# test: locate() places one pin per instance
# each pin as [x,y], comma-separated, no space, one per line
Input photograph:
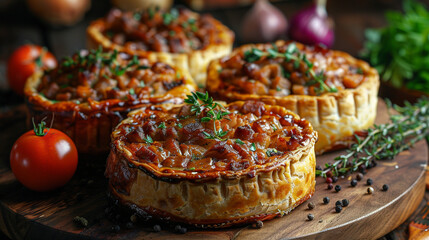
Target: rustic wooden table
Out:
[18,26]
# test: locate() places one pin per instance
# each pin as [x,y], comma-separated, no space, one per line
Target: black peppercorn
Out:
[359,176]
[345,202]
[337,188]
[177,228]
[326,200]
[183,230]
[353,183]
[311,205]
[157,228]
[338,208]
[385,187]
[334,179]
[330,186]
[258,224]
[116,228]
[369,181]
[338,203]
[310,217]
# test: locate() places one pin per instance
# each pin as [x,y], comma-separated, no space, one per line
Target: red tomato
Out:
[43,163]
[24,62]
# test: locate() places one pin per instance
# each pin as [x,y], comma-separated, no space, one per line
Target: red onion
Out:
[263,23]
[312,25]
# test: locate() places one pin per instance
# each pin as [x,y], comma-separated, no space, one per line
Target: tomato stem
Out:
[39,130]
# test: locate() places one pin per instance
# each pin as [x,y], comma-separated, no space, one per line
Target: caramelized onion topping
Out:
[96,75]
[268,72]
[255,136]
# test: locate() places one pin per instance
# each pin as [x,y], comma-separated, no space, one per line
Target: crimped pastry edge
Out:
[89,125]
[195,62]
[335,116]
[221,202]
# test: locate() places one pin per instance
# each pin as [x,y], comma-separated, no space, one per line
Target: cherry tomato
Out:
[43,159]
[24,62]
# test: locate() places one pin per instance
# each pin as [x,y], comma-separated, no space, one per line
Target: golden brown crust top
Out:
[107,80]
[177,143]
[174,31]
[287,68]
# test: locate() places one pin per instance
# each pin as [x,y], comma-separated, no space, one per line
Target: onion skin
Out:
[263,23]
[59,12]
[312,26]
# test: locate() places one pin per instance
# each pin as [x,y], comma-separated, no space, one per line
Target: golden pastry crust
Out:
[232,187]
[218,39]
[87,102]
[336,116]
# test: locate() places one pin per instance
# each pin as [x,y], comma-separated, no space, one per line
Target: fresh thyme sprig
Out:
[203,102]
[384,141]
[292,53]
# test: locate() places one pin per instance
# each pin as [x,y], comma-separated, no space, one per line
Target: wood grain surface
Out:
[29,215]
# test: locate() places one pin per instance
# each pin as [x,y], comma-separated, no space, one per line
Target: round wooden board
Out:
[29,215]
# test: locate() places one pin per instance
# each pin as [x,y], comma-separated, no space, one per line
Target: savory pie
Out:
[212,168]
[334,91]
[90,93]
[179,37]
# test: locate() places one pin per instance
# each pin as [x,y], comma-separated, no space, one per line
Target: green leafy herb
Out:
[252,147]
[179,125]
[213,112]
[272,152]
[400,51]
[148,139]
[132,91]
[162,125]
[385,141]
[171,16]
[239,141]
[292,54]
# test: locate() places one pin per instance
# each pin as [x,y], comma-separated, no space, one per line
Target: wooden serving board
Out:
[29,215]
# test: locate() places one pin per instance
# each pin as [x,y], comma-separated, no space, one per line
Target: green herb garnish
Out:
[148,139]
[253,147]
[162,125]
[239,141]
[214,112]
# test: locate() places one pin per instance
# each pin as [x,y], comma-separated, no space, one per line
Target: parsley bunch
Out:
[400,51]
[214,111]
[292,53]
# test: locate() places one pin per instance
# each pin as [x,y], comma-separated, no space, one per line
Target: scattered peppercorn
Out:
[353,183]
[116,228]
[385,187]
[177,228]
[359,176]
[183,230]
[258,224]
[338,203]
[133,218]
[328,180]
[362,168]
[330,186]
[310,217]
[334,179]
[311,205]
[370,190]
[369,181]
[129,225]
[318,167]
[80,221]
[329,174]
[345,202]
[337,188]
[338,208]
[326,200]
[157,228]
